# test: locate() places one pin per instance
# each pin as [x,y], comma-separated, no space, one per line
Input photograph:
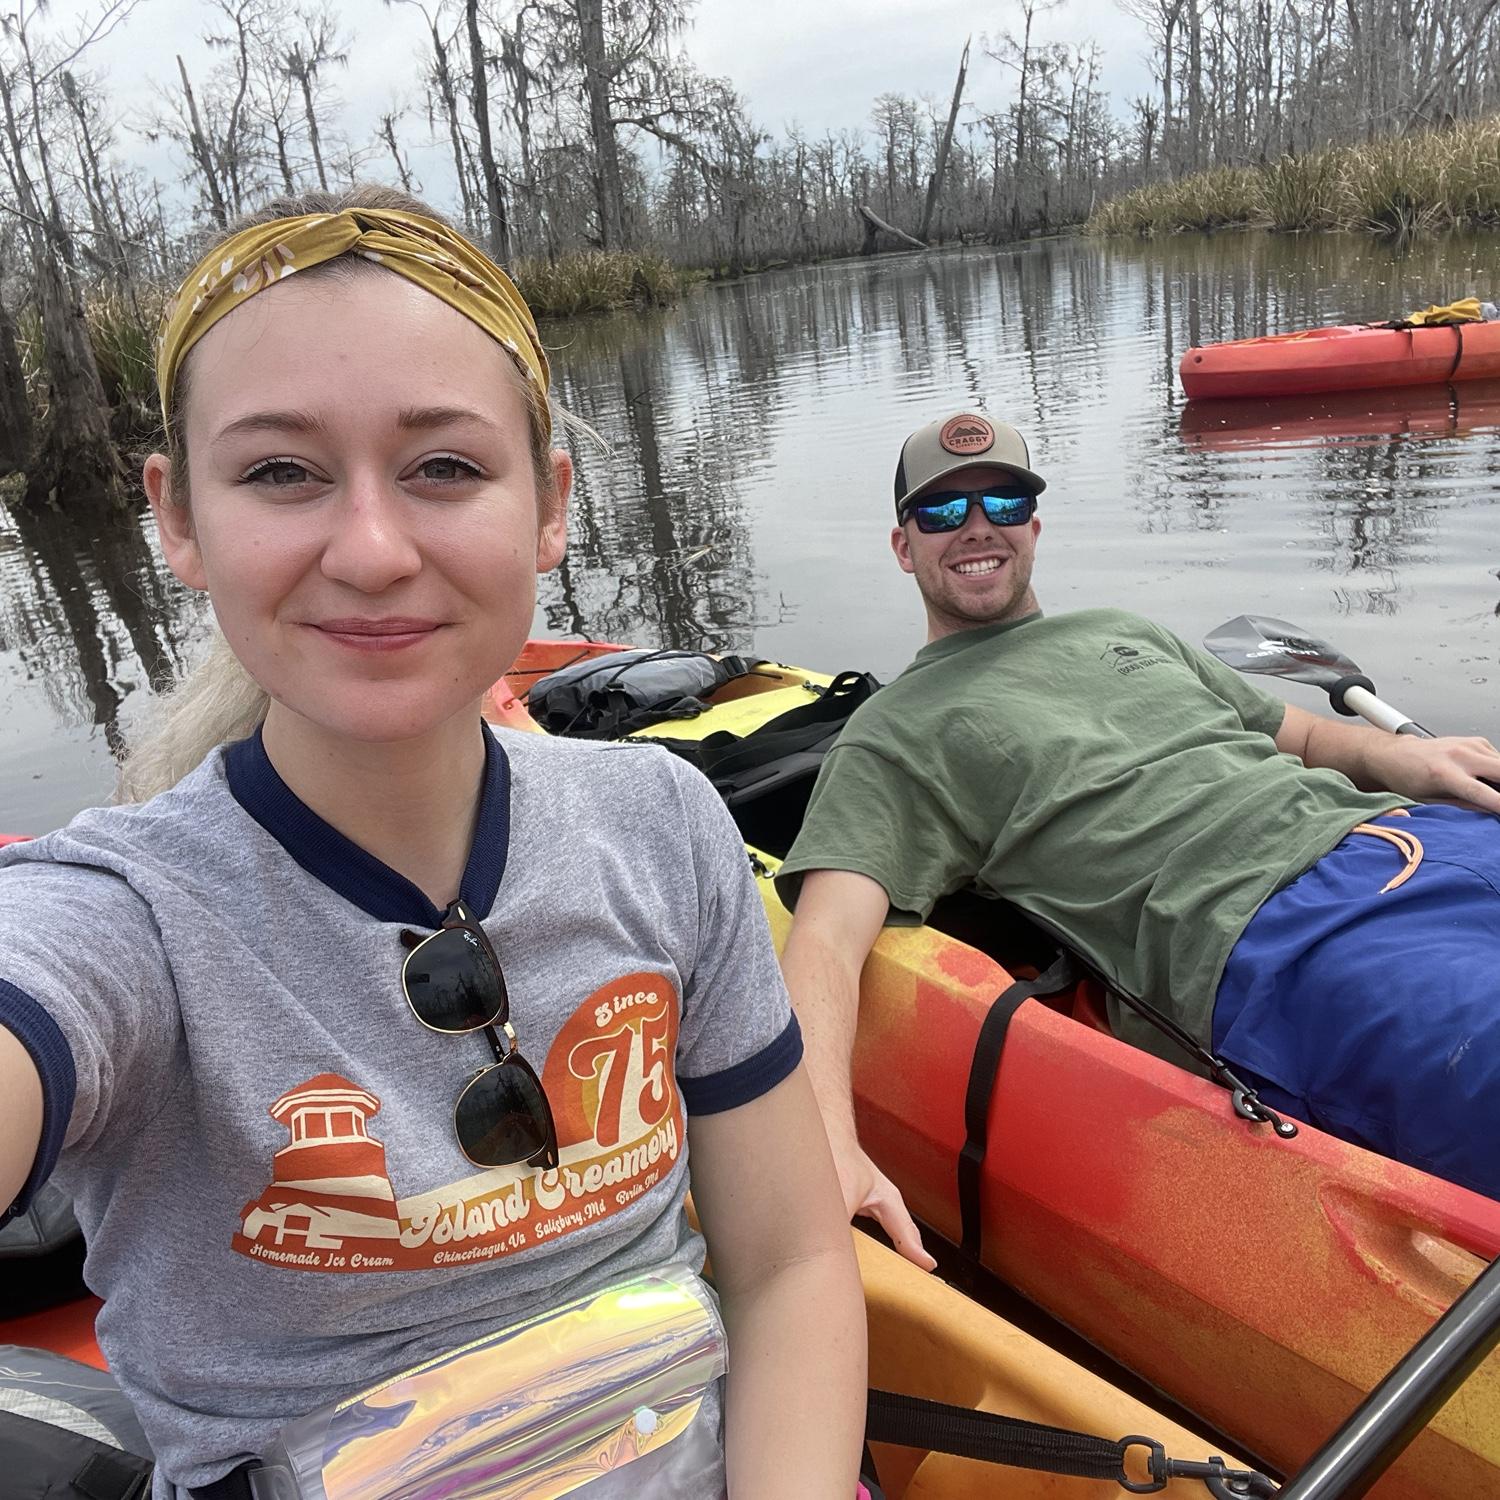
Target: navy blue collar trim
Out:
[353,873]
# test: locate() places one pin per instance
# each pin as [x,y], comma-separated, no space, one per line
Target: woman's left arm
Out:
[768,1198]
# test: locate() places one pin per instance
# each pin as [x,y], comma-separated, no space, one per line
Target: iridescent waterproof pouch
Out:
[603,1397]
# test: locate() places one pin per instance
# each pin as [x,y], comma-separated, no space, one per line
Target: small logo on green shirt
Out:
[1127,659]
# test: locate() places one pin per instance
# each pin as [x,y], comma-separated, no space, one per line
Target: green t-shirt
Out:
[1104,776]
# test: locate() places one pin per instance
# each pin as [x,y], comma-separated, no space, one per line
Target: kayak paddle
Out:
[1273,648]
[1257,643]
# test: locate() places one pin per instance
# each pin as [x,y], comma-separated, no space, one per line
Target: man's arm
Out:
[839,916]
[20,1116]
[1441,770]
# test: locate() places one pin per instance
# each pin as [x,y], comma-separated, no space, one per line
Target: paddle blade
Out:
[1257,643]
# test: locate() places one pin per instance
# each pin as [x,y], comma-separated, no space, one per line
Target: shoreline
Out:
[1403,186]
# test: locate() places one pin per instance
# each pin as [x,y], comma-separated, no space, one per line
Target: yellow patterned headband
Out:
[437,258]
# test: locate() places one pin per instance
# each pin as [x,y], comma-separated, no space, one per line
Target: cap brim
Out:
[1034,482]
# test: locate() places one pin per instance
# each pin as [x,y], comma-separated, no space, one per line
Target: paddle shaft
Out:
[1374,1436]
[1380,713]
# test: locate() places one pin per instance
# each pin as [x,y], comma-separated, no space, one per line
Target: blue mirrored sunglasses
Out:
[949,509]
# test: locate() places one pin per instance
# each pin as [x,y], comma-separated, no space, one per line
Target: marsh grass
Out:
[1439,180]
[590,281]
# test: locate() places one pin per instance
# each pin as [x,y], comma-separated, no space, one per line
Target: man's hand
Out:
[1453,768]
[869,1193]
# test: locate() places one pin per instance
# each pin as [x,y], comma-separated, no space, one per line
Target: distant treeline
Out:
[579,130]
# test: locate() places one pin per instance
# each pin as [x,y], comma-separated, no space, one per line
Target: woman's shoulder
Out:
[613,781]
[170,832]
[590,761]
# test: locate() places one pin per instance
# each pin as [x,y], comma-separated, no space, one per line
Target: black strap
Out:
[40,1459]
[909,1422]
[1246,1103]
[1458,352]
[109,1475]
[723,755]
[983,1072]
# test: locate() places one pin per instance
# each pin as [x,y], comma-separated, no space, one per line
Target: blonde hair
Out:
[218,700]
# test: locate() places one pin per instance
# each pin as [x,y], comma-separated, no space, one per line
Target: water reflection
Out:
[744,501]
[88,615]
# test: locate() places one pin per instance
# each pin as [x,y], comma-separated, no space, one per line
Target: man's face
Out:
[977,575]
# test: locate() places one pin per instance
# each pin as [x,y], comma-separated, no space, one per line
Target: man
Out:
[1256,870]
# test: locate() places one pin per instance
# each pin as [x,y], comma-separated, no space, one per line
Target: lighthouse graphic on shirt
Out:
[331,1203]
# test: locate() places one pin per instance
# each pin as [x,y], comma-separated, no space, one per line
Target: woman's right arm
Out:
[20,1117]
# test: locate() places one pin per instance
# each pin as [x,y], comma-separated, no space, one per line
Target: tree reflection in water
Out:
[744,502]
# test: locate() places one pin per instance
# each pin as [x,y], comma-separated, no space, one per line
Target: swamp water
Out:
[745,502]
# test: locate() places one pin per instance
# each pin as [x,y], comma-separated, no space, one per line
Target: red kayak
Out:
[1355,357]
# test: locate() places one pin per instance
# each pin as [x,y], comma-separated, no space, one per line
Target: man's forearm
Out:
[1354,750]
[826,998]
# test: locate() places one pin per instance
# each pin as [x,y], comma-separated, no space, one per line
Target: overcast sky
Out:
[819,63]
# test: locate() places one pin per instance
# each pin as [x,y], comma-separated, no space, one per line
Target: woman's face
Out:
[363,503]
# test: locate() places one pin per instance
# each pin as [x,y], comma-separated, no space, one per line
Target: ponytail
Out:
[218,701]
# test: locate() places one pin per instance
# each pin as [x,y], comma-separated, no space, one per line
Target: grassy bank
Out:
[123,328]
[1439,180]
[590,281]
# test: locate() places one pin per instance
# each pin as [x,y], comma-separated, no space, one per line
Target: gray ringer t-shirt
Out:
[260,1135]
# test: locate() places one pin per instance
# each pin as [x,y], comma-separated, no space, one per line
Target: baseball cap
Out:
[958,442]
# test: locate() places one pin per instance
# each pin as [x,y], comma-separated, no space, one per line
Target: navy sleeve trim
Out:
[41,1037]
[713,1093]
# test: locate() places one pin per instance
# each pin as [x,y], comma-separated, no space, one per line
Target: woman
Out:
[215,1015]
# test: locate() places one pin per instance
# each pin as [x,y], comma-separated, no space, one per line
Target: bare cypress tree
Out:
[74,457]
[303,62]
[441,75]
[16,428]
[940,165]
[497,218]
[387,134]
[200,149]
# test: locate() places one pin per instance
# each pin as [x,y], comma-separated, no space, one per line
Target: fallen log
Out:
[874,223]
